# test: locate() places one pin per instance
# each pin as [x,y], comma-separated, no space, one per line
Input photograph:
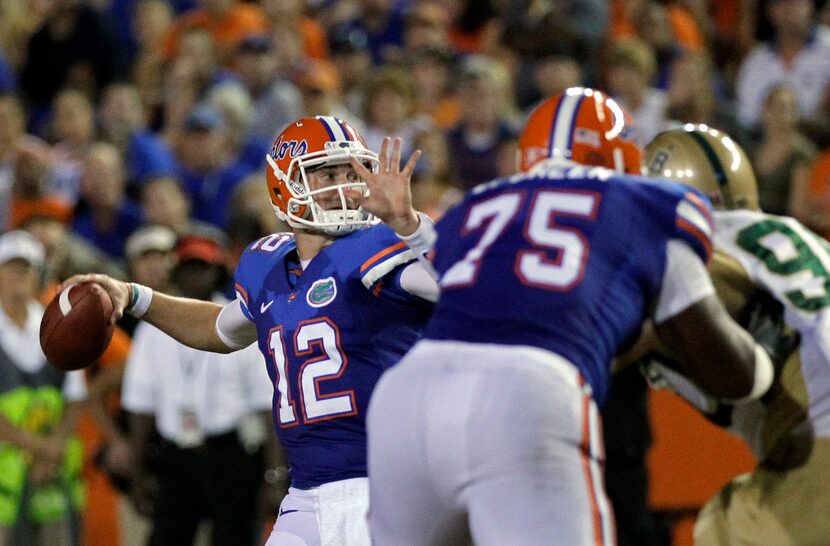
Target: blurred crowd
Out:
[128,125]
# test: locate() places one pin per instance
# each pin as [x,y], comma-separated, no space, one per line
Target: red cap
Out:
[194,247]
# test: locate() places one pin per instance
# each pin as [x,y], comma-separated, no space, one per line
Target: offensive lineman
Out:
[491,421]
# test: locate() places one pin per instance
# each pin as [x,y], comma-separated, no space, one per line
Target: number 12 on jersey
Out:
[330,364]
[533,267]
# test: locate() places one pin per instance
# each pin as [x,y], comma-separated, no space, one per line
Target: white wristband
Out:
[423,238]
[762,380]
[140,299]
[422,241]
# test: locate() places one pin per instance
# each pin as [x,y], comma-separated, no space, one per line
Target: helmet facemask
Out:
[302,209]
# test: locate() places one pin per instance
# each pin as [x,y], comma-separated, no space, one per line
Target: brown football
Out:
[75,328]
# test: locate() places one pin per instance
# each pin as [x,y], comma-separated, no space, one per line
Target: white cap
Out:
[23,245]
[149,238]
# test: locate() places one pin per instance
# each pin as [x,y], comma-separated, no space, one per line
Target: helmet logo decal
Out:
[588,137]
[292,148]
[322,292]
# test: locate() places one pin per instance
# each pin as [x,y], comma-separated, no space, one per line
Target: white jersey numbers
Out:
[786,252]
[319,341]
[536,266]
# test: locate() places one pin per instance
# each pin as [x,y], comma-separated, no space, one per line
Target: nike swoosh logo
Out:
[283,512]
[264,307]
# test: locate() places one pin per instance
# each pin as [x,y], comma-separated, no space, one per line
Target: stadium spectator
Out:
[798,55]
[483,143]
[166,203]
[31,188]
[227,23]
[66,253]
[783,154]
[389,109]
[382,21]
[692,97]
[213,414]
[426,25]
[210,168]
[812,205]
[152,20]
[105,216]
[72,48]
[123,123]
[630,67]
[321,88]
[276,100]
[432,74]
[73,133]
[12,129]
[41,492]
[287,22]
[350,55]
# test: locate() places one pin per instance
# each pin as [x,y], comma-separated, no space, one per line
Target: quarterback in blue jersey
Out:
[332,305]
[545,276]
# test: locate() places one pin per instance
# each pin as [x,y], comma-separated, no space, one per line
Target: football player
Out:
[332,305]
[491,420]
[785,499]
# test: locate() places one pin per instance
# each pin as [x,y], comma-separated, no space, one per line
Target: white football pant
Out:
[505,439]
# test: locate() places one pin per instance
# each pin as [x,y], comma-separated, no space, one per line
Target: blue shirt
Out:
[111,241]
[212,193]
[327,335]
[567,259]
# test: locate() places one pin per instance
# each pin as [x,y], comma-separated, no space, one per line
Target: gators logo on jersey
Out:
[322,292]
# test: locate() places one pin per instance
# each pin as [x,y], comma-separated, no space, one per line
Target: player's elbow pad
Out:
[762,378]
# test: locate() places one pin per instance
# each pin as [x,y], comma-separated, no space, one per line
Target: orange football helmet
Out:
[581,125]
[305,145]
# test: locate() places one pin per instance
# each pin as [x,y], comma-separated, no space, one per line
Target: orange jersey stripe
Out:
[694,230]
[698,202]
[238,288]
[388,250]
[585,448]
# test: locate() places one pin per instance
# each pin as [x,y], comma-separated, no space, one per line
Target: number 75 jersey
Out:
[564,258]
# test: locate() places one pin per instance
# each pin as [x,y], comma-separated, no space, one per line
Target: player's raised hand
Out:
[389,197]
[118,291]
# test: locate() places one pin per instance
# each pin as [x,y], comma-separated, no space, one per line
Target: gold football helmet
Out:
[707,159]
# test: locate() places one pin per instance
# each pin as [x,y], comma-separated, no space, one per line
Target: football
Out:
[75,328]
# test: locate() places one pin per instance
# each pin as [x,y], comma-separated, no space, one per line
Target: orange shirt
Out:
[686,31]
[818,186]
[315,43]
[227,31]
[23,209]
[100,522]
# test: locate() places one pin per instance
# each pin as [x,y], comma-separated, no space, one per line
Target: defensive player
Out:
[491,420]
[332,305]
[785,500]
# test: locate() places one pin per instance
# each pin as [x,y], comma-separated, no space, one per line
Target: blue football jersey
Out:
[327,334]
[566,258]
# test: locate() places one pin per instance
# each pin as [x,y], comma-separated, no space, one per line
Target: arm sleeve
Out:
[421,242]
[685,281]
[234,327]
[693,224]
[416,280]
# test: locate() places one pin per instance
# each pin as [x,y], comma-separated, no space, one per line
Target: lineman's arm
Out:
[188,321]
[710,347]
